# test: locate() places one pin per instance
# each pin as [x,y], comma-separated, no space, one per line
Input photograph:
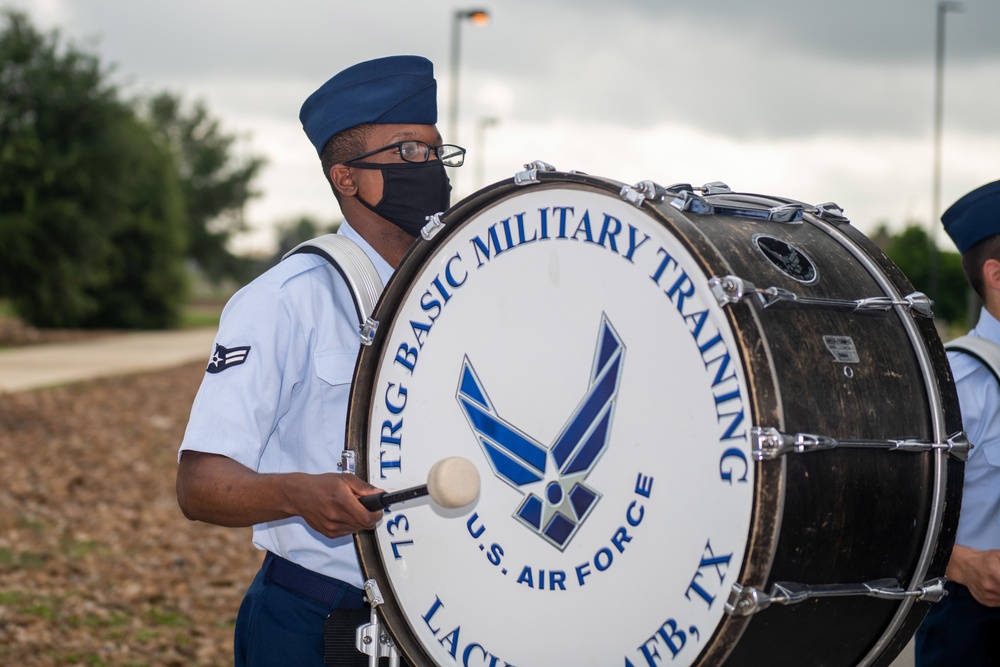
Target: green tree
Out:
[216,182]
[910,250]
[290,233]
[90,208]
[147,283]
[298,230]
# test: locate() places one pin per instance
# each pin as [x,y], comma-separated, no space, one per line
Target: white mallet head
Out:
[453,482]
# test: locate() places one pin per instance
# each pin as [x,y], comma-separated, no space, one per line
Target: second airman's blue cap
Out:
[974,217]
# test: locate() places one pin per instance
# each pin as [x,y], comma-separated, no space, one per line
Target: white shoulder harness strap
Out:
[986,351]
[357,270]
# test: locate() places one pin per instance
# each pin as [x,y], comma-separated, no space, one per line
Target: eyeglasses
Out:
[418,151]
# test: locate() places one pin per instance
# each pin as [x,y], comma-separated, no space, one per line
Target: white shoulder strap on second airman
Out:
[986,351]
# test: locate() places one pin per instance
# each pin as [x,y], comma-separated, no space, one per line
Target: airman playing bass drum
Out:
[711,428]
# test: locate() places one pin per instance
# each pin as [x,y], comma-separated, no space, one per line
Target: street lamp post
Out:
[943,7]
[478,17]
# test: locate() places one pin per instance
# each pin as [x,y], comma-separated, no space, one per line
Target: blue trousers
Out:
[959,632]
[281,624]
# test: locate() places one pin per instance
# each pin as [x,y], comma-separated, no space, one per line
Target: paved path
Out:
[37,366]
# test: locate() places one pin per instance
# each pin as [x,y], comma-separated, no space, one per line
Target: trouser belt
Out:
[327,591]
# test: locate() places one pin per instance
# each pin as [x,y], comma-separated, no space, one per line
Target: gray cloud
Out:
[779,76]
[886,30]
[762,69]
[747,69]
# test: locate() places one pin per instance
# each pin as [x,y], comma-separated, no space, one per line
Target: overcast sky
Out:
[807,100]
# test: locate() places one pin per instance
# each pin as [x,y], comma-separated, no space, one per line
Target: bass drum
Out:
[710,428]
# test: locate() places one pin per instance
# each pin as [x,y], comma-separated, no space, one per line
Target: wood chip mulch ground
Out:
[97,564]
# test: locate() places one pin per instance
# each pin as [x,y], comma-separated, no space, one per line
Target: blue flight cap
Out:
[974,217]
[397,89]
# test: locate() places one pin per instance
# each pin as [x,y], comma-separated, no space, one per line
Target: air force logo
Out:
[556,499]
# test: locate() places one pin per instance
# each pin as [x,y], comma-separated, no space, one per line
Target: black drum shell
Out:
[847,515]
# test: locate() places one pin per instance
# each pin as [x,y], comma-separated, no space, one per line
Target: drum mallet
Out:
[451,483]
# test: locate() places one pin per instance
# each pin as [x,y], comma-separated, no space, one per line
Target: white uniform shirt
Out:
[275,399]
[979,397]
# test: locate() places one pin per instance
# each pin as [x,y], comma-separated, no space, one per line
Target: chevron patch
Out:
[227,357]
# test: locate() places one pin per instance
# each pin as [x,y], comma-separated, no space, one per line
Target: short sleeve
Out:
[258,356]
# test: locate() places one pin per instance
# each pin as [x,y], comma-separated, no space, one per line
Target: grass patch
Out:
[31,524]
[80,549]
[42,608]
[89,659]
[143,636]
[11,598]
[198,315]
[27,560]
[168,619]
[96,621]
[30,560]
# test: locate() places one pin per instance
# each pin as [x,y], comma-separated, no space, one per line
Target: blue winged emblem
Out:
[556,499]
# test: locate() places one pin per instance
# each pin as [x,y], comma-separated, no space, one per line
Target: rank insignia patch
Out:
[227,357]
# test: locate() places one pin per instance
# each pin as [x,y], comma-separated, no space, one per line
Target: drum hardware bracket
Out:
[368,330]
[830,212]
[769,443]
[674,188]
[433,226]
[530,173]
[641,191]
[716,188]
[733,289]
[688,198]
[689,201]
[371,639]
[787,213]
[746,601]
[713,188]
[346,463]
[957,446]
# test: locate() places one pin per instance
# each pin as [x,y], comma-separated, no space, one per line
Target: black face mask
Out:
[411,191]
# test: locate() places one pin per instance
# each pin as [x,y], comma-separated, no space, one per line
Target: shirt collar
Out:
[987,326]
[381,266]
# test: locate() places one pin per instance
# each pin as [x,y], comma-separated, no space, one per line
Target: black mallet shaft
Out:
[451,483]
[379,501]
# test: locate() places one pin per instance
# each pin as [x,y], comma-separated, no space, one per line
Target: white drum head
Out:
[567,344]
